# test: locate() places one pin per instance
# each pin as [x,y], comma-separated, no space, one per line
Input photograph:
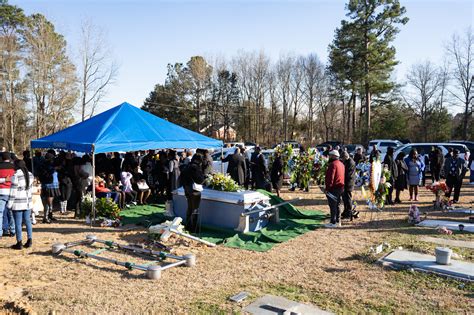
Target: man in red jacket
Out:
[334,187]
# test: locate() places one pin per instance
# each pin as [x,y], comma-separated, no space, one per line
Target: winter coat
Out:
[349,174]
[335,175]
[236,167]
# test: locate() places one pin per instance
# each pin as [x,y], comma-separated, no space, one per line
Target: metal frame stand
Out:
[153,270]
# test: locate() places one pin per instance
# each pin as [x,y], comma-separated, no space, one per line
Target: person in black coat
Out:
[436,163]
[358,156]
[276,174]
[454,169]
[236,167]
[247,166]
[349,183]
[261,171]
[401,178]
[389,162]
[192,174]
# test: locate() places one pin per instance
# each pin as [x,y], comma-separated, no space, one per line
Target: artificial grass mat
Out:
[293,222]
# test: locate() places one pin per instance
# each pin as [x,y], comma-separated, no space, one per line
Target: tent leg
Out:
[93,186]
[222,163]
[32,163]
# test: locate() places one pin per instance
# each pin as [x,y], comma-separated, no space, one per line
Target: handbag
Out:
[142,185]
[197,187]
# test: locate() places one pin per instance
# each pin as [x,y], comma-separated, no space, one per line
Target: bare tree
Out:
[313,74]
[425,85]
[461,52]
[297,90]
[284,68]
[97,71]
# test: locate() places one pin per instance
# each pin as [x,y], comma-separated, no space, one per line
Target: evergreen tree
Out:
[363,47]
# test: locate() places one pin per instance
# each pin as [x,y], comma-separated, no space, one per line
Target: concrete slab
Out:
[462,210]
[271,305]
[450,225]
[457,269]
[443,241]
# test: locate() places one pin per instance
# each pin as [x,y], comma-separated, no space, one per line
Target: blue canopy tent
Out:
[124,128]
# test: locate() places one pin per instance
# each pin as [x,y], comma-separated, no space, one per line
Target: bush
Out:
[106,208]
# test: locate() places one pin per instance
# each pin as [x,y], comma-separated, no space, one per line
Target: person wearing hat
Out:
[7,170]
[349,183]
[334,187]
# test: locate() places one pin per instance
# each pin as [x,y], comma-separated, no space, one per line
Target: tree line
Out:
[351,97]
[42,90]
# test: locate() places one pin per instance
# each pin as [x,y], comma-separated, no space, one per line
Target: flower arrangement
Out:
[378,196]
[303,168]
[319,170]
[438,188]
[86,206]
[362,174]
[107,208]
[286,154]
[222,182]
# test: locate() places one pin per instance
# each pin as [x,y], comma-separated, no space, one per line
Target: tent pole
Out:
[32,164]
[222,156]
[93,184]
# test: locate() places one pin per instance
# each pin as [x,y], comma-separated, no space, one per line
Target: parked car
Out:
[468,144]
[332,143]
[352,148]
[382,145]
[216,158]
[424,149]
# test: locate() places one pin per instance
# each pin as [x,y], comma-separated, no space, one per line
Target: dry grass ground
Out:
[329,268]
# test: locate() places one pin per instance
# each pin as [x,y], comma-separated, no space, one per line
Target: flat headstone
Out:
[443,241]
[450,225]
[457,268]
[271,305]
[462,210]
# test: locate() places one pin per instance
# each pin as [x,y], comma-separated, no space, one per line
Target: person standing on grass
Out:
[359,156]
[6,172]
[401,179]
[392,167]
[334,187]
[21,201]
[236,167]
[191,178]
[276,174]
[455,169]
[349,183]
[436,163]
[416,167]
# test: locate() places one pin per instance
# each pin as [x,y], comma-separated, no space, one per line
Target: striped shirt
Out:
[20,196]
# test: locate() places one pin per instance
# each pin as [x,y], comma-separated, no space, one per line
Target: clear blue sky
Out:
[147,35]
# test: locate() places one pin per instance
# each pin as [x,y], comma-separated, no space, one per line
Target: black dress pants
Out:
[334,202]
[194,199]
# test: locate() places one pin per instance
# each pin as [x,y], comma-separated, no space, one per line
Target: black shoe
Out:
[292,189]
[46,221]
[28,243]
[53,219]
[18,246]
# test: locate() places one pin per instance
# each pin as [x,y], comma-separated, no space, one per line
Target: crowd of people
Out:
[406,172]
[132,178]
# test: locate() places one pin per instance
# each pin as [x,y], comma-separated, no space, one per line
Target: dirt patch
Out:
[330,268]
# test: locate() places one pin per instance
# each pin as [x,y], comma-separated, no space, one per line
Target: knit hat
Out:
[334,153]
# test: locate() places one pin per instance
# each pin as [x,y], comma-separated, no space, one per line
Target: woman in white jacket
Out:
[21,202]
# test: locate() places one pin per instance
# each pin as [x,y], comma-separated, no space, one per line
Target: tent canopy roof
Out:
[124,128]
